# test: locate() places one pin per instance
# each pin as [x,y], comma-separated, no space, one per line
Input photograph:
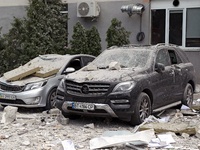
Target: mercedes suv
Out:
[129,83]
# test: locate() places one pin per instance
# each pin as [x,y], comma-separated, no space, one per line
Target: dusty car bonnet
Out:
[106,75]
[48,62]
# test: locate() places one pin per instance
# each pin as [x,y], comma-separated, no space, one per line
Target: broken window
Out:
[126,58]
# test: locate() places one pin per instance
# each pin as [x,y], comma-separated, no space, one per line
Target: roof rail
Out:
[161,44]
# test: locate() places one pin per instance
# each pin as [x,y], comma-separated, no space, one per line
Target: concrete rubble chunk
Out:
[54,111]
[20,72]
[46,71]
[26,143]
[62,120]
[9,114]
[88,78]
[170,127]
[198,130]
[185,135]
[102,142]
[90,67]
[91,126]
[114,66]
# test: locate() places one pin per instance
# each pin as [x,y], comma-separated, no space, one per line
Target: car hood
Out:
[24,81]
[105,75]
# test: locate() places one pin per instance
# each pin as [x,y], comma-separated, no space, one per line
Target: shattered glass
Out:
[125,57]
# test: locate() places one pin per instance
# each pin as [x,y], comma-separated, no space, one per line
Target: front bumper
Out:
[67,107]
[30,99]
[117,105]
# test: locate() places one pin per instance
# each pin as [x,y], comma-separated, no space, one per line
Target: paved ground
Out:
[36,130]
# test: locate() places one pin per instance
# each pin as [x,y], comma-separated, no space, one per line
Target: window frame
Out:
[167,14]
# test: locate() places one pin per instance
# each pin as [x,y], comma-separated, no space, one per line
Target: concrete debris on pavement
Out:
[50,130]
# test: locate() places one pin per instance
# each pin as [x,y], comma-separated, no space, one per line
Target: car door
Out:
[180,72]
[163,82]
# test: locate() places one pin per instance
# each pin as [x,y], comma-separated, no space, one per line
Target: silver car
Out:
[39,91]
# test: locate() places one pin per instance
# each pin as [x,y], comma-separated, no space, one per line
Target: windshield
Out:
[125,57]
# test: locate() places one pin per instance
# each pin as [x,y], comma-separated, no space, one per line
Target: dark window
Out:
[163,57]
[193,27]
[175,59]
[158,26]
[175,27]
[87,60]
[75,63]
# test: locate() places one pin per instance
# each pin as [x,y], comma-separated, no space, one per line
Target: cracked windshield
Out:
[126,58]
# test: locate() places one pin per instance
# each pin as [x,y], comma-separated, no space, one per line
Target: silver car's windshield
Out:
[125,57]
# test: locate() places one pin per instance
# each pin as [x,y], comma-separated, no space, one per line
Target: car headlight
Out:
[35,85]
[61,85]
[124,86]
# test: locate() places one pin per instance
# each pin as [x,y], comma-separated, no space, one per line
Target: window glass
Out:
[87,60]
[193,27]
[175,27]
[158,26]
[163,57]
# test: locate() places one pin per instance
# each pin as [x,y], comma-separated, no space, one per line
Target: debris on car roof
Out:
[41,66]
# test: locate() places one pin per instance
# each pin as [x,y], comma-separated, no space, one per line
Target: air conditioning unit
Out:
[88,9]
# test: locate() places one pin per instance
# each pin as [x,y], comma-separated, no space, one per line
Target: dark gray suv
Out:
[129,82]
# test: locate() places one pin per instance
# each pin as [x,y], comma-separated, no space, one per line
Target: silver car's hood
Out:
[24,81]
[104,75]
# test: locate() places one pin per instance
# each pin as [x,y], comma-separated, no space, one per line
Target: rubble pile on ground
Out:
[49,130]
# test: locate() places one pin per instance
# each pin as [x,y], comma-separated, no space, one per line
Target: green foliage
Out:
[116,34]
[2,41]
[46,27]
[79,43]
[94,41]
[42,32]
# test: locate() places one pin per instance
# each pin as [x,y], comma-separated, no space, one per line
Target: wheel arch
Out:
[149,93]
[193,84]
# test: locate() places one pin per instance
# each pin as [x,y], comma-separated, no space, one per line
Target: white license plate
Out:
[87,106]
[8,96]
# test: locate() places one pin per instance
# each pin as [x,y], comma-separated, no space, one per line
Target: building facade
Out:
[162,21]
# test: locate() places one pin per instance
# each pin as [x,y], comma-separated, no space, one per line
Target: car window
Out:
[163,57]
[175,59]
[86,60]
[75,63]
[125,57]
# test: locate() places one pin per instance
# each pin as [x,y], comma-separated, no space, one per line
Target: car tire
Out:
[142,109]
[51,99]
[188,95]
[70,116]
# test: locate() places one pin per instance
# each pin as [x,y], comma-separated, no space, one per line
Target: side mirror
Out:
[159,67]
[69,70]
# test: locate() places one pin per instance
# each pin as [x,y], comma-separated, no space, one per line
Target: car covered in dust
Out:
[34,84]
[129,83]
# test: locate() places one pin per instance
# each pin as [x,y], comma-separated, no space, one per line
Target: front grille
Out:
[11,88]
[90,89]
